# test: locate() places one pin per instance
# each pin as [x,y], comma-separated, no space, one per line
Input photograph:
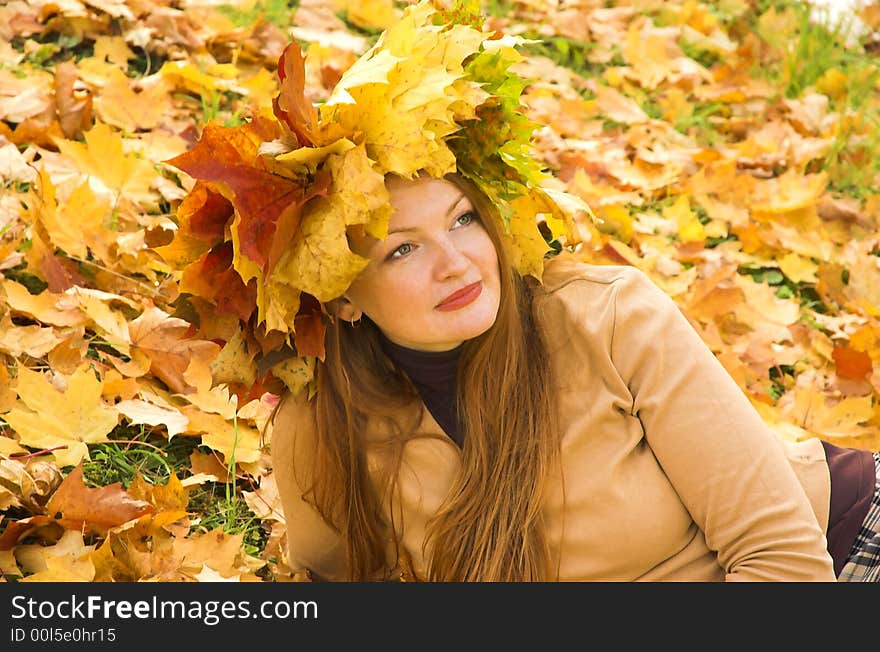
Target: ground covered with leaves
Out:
[727,147]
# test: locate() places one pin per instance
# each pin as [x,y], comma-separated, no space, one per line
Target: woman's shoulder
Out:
[568,273]
[294,415]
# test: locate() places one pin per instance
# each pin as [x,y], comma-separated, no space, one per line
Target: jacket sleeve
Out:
[312,544]
[726,464]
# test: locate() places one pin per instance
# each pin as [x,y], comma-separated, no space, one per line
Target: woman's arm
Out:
[313,545]
[725,463]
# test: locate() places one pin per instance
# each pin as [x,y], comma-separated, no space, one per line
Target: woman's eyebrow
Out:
[449,212]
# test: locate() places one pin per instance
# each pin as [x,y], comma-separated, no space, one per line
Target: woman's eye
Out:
[466,218]
[402,250]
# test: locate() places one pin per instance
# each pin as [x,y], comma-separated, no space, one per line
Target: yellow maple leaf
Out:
[46,417]
[319,261]
[359,192]
[762,304]
[689,227]
[78,221]
[863,288]
[217,400]
[262,88]
[66,561]
[106,320]
[43,307]
[180,361]
[119,105]
[185,76]
[114,49]
[369,14]
[217,549]
[234,439]
[103,158]
[527,245]
[295,373]
[34,341]
[647,55]
[358,195]
[788,192]
[172,496]
[234,364]
[798,268]
[137,411]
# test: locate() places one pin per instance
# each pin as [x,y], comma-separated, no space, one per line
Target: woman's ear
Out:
[346,310]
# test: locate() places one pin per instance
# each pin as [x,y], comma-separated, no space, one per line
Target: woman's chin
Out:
[470,324]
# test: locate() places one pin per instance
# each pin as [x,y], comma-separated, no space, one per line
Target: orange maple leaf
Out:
[291,106]
[76,506]
[228,158]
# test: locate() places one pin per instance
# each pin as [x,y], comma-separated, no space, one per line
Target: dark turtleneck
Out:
[433,374]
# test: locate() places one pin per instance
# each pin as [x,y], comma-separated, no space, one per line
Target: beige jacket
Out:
[669,473]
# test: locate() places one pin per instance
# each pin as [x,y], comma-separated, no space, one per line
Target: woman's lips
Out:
[461,298]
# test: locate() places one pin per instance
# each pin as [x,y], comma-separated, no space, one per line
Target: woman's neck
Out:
[434,375]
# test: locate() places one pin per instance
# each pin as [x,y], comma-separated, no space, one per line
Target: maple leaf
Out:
[291,106]
[358,196]
[120,105]
[228,158]
[113,49]
[235,440]
[76,221]
[217,549]
[66,561]
[106,320]
[205,214]
[265,501]
[234,364]
[29,485]
[45,417]
[295,373]
[142,412]
[76,506]
[214,278]
[173,356]
[43,307]
[319,261]
[73,99]
[217,400]
[172,496]
[104,159]
[34,341]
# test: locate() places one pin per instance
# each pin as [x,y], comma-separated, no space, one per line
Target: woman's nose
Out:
[452,260]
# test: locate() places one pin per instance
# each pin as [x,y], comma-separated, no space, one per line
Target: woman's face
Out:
[436,248]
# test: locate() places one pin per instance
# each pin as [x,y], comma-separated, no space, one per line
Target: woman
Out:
[481,409]
[471,425]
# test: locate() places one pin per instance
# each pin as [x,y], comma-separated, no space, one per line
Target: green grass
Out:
[780,375]
[19,274]
[232,514]
[135,450]
[278,12]
[805,60]
[221,107]
[784,287]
